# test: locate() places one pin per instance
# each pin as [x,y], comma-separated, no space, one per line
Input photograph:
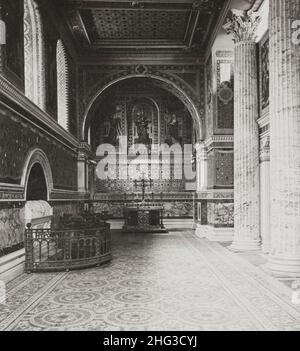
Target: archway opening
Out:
[142,112]
[36,186]
[157,82]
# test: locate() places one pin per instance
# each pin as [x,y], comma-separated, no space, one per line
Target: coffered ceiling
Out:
[120,25]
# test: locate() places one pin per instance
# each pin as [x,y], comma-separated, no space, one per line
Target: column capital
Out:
[84,151]
[201,151]
[243,25]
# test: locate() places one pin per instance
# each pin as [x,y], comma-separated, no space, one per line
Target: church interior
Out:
[149,165]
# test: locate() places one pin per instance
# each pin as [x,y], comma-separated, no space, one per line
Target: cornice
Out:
[149,58]
[219,139]
[216,195]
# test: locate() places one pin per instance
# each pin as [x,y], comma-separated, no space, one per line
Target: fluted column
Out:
[265,197]
[284,257]
[243,26]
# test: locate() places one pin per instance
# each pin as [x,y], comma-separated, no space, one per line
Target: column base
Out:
[266,248]
[202,231]
[223,235]
[284,267]
[241,246]
[214,234]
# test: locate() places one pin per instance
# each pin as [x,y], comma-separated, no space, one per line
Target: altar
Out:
[143,218]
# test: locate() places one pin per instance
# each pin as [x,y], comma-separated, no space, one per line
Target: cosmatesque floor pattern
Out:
[164,282]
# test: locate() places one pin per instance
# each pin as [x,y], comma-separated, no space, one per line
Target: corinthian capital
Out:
[243,25]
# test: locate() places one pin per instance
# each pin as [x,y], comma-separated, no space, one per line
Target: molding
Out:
[215,194]
[219,141]
[115,197]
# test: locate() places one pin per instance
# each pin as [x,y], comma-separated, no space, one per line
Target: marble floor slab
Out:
[157,282]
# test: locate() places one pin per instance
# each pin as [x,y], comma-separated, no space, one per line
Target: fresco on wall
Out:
[146,115]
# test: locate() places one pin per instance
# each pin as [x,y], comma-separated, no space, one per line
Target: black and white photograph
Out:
[149,168]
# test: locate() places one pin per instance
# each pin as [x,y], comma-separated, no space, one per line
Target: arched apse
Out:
[36,186]
[170,85]
[37,157]
[116,113]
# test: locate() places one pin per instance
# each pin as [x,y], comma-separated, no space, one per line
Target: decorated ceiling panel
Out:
[176,24]
[118,24]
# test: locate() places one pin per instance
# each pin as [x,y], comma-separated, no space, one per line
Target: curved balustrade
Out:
[79,245]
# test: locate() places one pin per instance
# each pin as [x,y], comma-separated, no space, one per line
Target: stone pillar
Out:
[284,259]
[202,167]
[82,166]
[265,197]
[202,186]
[243,26]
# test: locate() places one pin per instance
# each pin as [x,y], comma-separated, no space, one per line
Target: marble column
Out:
[202,184]
[284,259]
[243,26]
[265,196]
[202,168]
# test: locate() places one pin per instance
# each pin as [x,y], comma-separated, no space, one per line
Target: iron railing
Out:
[66,249]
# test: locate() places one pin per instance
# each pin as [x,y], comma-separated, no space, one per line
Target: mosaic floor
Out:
[155,282]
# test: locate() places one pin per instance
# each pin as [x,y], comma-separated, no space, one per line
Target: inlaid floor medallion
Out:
[61,318]
[161,283]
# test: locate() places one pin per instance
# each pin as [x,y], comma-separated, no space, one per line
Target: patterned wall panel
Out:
[224,168]
[220,214]
[167,122]
[175,209]
[18,138]
[128,186]
[209,97]
[12,226]
[221,169]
